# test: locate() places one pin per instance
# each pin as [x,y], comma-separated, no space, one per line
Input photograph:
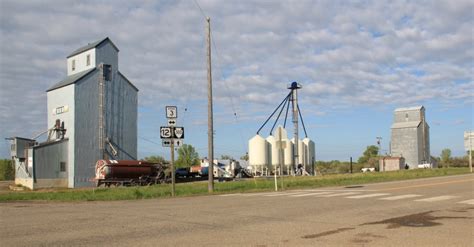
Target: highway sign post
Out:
[172,136]
[280,146]
[468,139]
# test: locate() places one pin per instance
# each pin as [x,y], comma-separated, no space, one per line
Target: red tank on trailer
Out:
[127,172]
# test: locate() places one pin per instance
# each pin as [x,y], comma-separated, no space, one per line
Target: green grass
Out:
[200,188]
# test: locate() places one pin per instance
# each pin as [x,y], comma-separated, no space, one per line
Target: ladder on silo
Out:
[101,135]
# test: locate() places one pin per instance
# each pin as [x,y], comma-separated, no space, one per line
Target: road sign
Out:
[171,122]
[167,142]
[170,132]
[468,140]
[171,112]
[166,132]
[179,132]
[178,143]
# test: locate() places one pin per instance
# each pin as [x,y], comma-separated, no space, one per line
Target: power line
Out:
[222,76]
[143,138]
[200,9]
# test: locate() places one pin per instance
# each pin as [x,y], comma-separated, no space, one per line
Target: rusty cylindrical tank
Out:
[129,169]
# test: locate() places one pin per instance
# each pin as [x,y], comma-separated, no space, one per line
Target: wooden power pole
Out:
[210,126]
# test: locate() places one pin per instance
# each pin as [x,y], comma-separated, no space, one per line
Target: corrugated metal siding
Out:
[428,148]
[405,144]
[413,115]
[106,53]
[86,136]
[123,116]
[47,160]
[121,120]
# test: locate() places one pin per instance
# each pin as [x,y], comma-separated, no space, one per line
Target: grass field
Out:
[200,188]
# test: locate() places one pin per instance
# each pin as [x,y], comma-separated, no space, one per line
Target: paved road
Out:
[424,212]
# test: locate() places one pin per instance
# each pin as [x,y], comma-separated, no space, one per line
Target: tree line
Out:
[187,156]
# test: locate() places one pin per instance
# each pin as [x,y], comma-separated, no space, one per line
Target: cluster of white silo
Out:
[265,154]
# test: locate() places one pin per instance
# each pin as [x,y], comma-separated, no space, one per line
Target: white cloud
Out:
[344,53]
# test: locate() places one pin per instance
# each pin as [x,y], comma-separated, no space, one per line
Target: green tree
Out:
[187,156]
[156,159]
[245,157]
[371,152]
[467,154]
[7,171]
[445,157]
[226,157]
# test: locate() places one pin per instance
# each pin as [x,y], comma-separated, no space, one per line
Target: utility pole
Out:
[173,179]
[470,151]
[210,127]
[379,144]
[351,165]
[280,149]
[281,146]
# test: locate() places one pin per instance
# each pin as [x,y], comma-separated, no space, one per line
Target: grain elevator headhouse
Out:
[97,106]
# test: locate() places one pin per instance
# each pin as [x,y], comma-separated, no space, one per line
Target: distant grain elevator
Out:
[410,136]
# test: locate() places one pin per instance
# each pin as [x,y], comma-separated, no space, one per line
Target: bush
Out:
[7,172]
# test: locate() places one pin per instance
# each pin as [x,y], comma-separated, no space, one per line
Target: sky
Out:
[356,61]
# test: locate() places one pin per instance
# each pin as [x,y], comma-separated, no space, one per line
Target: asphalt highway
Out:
[423,212]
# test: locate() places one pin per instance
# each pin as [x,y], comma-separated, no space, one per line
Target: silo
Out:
[288,155]
[302,152]
[258,152]
[273,159]
[310,154]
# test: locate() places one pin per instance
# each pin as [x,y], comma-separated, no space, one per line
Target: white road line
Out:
[259,194]
[368,195]
[255,194]
[312,194]
[435,199]
[341,194]
[338,190]
[284,194]
[231,194]
[393,198]
[471,202]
